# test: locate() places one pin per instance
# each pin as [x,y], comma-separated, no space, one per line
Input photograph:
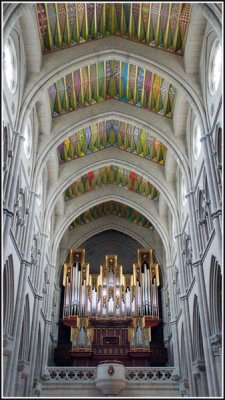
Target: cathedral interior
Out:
[112,167]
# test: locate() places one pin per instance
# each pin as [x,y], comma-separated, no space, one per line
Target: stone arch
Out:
[215,297]
[154,125]
[91,199]
[8,296]
[198,352]
[198,364]
[75,239]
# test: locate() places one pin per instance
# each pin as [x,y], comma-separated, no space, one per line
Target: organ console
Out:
[111,312]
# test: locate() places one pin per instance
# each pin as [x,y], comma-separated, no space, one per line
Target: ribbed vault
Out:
[107,150]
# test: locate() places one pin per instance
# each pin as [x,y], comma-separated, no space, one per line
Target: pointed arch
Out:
[215,296]
[198,350]
[8,296]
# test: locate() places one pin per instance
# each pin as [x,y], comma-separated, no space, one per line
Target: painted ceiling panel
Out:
[111,175]
[160,25]
[111,133]
[111,208]
[112,80]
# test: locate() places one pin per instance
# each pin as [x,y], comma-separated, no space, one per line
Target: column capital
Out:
[26,262]
[8,212]
[32,192]
[183,297]
[52,265]
[189,194]
[216,213]
[18,135]
[197,263]
[205,136]
[44,235]
[38,296]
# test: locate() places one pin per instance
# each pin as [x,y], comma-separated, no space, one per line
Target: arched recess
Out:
[25,334]
[199,371]
[215,297]
[75,237]
[77,206]
[198,352]
[8,296]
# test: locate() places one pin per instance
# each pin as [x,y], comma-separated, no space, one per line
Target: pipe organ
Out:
[111,312]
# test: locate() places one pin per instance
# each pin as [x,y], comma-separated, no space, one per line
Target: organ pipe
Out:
[111,293]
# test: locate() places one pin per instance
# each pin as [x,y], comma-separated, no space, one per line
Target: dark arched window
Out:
[215,297]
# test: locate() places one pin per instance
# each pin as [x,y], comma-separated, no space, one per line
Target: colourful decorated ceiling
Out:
[111,175]
[112,80]
[111,133]
[111,208]
[160,25]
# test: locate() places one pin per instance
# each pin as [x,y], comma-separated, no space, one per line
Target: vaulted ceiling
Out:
[142,165]
[160,25]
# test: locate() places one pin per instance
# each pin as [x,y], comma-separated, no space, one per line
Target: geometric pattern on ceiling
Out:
[160,25]
[112,80]
[111,133]
[111,208]
[111,175]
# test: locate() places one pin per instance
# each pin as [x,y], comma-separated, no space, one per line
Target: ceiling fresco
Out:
[111,208]
[112,80]
[111,175]
[111,133]
[160,25]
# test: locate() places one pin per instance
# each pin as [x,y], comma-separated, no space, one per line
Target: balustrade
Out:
[89,373]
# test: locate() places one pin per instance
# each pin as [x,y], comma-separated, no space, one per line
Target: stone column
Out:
[216,342]
[35,318]
[17,328]
[173,322]
[202,298]
[215,197]
[20,301]
[186,319]
[48,321]
[11,188]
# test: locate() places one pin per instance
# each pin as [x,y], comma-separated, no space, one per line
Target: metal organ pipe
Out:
[93,301]
[148,290]
[78,286]
[143,288]
[138,297]
[83,295]
[74,291]
[128,301]
[154,298]
[67,297]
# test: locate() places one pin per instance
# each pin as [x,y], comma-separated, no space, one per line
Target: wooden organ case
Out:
[111,314]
